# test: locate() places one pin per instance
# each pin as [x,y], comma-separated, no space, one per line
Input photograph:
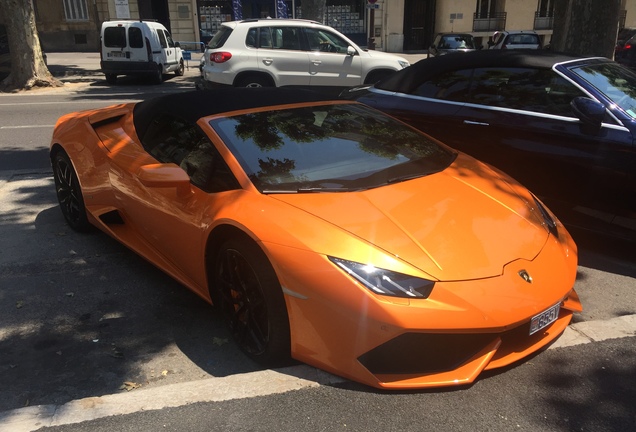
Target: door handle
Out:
[268,61]
[316,62]
[470,122]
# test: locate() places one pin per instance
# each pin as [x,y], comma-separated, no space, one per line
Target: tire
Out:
[254,81]
[157,77]
[69,193]
[181,70]
[111,78]
[248,294]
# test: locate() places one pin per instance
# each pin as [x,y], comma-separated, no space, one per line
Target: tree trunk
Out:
[586,27]
[28,69]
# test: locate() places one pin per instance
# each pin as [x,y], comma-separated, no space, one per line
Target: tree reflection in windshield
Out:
[330,146]
[614,81]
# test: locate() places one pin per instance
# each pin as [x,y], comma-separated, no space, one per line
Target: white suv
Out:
[283,52]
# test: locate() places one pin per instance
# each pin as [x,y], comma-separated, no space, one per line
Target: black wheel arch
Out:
[245,74]
[217,237]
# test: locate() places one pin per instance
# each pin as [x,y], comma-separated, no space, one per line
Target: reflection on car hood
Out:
[463,223]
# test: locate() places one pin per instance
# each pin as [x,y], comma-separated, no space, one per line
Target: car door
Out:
[431,106]
[520,120]
[171,224]
[330,64]
[168,51]
[280,54]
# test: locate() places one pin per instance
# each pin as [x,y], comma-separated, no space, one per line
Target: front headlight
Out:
[403,63]
[386,282]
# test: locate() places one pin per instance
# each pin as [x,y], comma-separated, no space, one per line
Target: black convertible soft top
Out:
[407,79]
[193,105]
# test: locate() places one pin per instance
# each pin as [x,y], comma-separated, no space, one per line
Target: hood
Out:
[387,56]
[459,224]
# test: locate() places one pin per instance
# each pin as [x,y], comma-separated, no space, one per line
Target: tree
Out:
[586,27]
[28,69]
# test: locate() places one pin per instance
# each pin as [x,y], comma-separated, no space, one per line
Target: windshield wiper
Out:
[322,189]
[307,190]
[405,178]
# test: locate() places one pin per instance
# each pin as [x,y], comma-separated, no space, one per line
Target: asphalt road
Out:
[86,325]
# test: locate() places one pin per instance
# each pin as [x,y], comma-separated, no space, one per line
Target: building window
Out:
[75,10]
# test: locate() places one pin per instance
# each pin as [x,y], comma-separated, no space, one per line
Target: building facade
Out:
[398,25]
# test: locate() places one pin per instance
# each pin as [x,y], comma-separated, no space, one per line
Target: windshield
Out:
[456,42]
[328,148]
[613,80]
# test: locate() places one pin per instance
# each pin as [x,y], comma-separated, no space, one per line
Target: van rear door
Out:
[124,43]
[115,44]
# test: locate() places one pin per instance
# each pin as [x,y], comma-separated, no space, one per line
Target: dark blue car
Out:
[563,126]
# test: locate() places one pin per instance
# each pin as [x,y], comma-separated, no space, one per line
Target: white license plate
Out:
[544,319]
[116,54]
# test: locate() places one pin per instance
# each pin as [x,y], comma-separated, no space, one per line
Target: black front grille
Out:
[424,353]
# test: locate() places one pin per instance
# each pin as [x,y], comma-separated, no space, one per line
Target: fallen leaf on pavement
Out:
[129,385]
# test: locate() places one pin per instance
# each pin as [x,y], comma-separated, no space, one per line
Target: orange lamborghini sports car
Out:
[325,231]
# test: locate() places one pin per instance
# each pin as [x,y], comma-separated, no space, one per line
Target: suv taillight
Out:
[220,57]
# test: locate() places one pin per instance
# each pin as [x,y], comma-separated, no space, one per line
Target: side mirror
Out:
[165,176]
[351,51]
[177,45]
[590,112]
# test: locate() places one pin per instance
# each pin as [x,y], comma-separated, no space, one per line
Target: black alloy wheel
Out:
[250,297]
[157,77]
[181,70]
[254,81]
[111,78]
[69,193]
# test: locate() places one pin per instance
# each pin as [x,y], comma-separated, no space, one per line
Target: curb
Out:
[242,386]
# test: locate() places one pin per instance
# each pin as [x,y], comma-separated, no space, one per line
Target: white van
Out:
[138,47]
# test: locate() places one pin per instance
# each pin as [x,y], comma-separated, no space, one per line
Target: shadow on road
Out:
[83,316]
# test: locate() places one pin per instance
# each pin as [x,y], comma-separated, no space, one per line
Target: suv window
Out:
[115,37]
[537,90]
[322,40]
[220,37]
[135,38]
[287,38]
[264,37]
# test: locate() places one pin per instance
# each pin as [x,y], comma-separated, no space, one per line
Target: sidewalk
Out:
[82,66]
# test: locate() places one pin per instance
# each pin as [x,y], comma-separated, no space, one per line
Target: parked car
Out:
[269,52]
[563,126]
[624,35]
[324,230]
[138,48]
[446,43]
[515,40]
[626,55]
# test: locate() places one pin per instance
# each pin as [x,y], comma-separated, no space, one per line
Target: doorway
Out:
[155,10]
[419,24]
